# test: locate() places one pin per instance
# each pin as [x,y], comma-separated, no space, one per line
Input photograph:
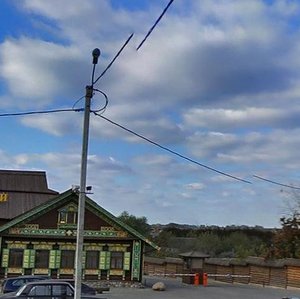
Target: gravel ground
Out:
[215,290]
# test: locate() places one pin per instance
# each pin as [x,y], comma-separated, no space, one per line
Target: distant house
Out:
[20,191]
[194,260]
[40,237]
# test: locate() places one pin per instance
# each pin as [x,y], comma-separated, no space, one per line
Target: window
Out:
[67,259]
[62,217]
[42,259]
[116,261]
[48,291]
[42,290]
[71,217]
[62,290]
[68,215]
[15,258]
[92,260]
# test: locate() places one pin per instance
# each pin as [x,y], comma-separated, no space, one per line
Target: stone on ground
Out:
[159,286]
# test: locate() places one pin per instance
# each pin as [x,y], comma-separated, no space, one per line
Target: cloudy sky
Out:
[217,81]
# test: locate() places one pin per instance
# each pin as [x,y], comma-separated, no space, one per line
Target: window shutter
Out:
[108,260]
[126,265]
[104,260]
[5,256]
[54,259]
[58,259]
[26,258]
[31,258]
[83,259]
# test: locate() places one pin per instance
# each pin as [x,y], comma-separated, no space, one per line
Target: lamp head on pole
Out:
[96,54]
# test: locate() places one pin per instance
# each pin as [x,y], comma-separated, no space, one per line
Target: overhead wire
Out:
[155,24]
[73,107]
[114,59]
[40,112]
[97,112]
[106,102]
[276,183]
[172,151]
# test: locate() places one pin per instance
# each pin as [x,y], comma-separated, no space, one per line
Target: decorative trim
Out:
[40,271]
[42,246]
[66,271]
[91,272]
[14,270]
[32,226]
[17,245]
[67,246]
[136,260]
[116,272]
[93,247]
[67,232]
[90,205]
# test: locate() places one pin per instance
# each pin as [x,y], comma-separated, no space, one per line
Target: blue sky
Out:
[217,81]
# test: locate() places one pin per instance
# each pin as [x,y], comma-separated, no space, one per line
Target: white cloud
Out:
[195,186]
[57,124]
[250,117]
[217,80]
[37,71]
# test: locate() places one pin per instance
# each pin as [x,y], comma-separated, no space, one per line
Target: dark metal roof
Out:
[162,261]
[194,254]
[174,260]
[25,190]
[154,260]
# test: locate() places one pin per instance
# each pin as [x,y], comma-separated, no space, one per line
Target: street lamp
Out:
[82,191]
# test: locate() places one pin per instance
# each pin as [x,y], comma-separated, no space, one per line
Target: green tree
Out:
[140,224]
[209,243]
[163,240]
[286,242]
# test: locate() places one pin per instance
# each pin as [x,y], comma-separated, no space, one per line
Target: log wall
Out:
[293,276]
[281,273]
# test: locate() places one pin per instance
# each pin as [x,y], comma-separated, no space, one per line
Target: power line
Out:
[154,25]
[96,112]
[40,112]
[171,151]
[73,109]
[276,183]
[106,102]
[114,59]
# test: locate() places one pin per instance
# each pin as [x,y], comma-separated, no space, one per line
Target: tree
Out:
[140,224]
[286,242]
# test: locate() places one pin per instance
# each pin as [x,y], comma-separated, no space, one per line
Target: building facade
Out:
[43,241]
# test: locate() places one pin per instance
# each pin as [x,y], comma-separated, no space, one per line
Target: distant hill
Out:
[217,241]
[183,230]
[179,226]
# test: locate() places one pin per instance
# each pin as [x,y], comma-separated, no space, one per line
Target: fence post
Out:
[196,279]
[205,280]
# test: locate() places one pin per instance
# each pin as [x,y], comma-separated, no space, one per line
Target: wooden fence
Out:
[283,273]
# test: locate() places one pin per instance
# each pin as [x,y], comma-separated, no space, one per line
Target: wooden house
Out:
[21,191]
[42,240]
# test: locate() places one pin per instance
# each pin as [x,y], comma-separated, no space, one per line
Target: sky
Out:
[217,81]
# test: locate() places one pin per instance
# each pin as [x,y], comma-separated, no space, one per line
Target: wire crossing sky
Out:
[209,82]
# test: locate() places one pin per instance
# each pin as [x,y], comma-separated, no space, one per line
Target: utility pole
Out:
[82,190]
